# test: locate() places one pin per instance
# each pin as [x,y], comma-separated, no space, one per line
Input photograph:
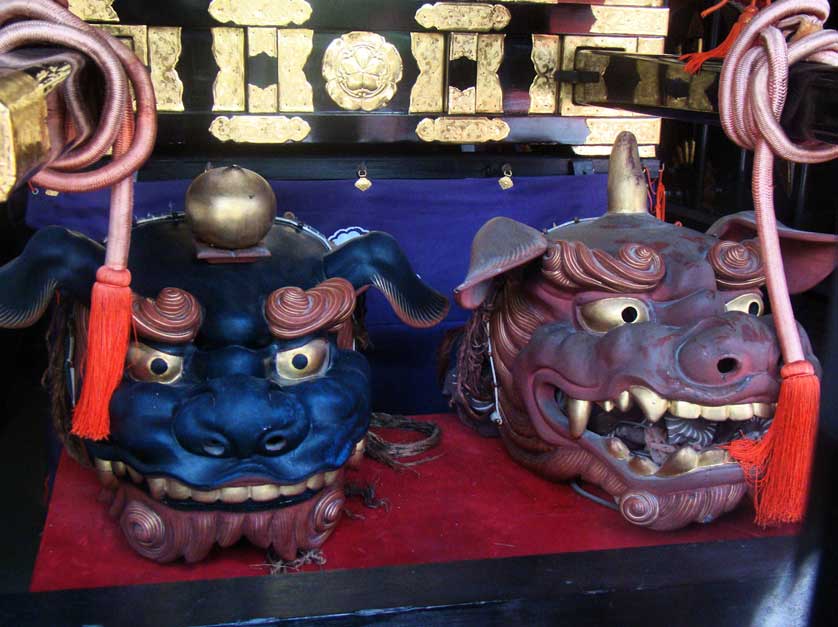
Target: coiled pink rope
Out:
[752,92]
[40,22]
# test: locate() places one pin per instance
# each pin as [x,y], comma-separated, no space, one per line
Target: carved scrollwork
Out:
[292,312]
[326,514]
[738,265]
[174,316]
[572,265]
[147,532]
[640,508]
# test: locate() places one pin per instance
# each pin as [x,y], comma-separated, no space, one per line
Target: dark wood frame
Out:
[716,583]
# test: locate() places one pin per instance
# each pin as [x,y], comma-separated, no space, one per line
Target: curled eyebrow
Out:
[575,266]
[738,265]
[292,312]
[174,316]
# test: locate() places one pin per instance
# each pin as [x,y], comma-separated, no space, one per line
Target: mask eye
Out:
[605,314]
[146,364]
[303,362]
[747,303]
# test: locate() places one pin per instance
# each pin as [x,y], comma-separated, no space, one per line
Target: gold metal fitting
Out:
[230,207]
[363,183]
[506,181]
[24,135]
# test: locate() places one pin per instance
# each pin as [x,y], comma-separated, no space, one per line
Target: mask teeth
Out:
[110,473]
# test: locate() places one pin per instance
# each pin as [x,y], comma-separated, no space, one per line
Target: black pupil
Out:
[159,366]
[753,308]
[299,361]
[629,314]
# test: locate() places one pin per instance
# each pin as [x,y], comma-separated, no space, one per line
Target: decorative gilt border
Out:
[261,40]
[457,16]
[545,61]
[228,51]
[259,129]
[136,34]
[427,94]
[165,47]
[260,12]
[94,10]
[295,92]
[462,130]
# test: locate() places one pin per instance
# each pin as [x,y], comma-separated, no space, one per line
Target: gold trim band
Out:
[462,130]
[259,129]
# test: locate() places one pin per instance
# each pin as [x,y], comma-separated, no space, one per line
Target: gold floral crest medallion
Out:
[362,71]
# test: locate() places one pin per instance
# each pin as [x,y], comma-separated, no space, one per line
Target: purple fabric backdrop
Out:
[433,220]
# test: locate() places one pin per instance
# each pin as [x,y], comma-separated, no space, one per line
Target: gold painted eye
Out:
[605,314]
[303,362]
[747,303]
[146,364]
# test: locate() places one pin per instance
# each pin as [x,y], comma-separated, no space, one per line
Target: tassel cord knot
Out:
[797,369]
[113,278]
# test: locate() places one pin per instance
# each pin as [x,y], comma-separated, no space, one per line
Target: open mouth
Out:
[236,496]
[664,437]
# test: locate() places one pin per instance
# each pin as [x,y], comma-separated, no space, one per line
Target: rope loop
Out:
[752,92]
[754,78]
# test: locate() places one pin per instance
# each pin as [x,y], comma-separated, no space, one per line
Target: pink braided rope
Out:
[752,92]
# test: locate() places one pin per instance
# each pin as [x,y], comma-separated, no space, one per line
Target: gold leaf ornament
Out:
[260,12]
[362,71]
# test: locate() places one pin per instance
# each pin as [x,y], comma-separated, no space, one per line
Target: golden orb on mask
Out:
[230,207]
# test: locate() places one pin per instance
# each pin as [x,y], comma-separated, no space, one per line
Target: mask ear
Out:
[54,259]
[500,245]
[808,257]
[377,259]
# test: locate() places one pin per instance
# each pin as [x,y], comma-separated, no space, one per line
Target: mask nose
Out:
[241,417]
[729,348]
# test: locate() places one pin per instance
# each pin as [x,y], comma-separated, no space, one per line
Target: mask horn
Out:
[376,259]
[54,259]
[627,189]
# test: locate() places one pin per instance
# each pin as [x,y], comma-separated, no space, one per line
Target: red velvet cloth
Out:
[473,502]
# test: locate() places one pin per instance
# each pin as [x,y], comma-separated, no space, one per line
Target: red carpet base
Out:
[473,502]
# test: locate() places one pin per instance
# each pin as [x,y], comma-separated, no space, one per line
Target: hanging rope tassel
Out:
[109,330]
[109,325]
[752,91]
[777,467]
[660,197]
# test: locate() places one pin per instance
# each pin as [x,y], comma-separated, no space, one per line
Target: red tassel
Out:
[696,59]
[660,198]
[108,334]
[778,466]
